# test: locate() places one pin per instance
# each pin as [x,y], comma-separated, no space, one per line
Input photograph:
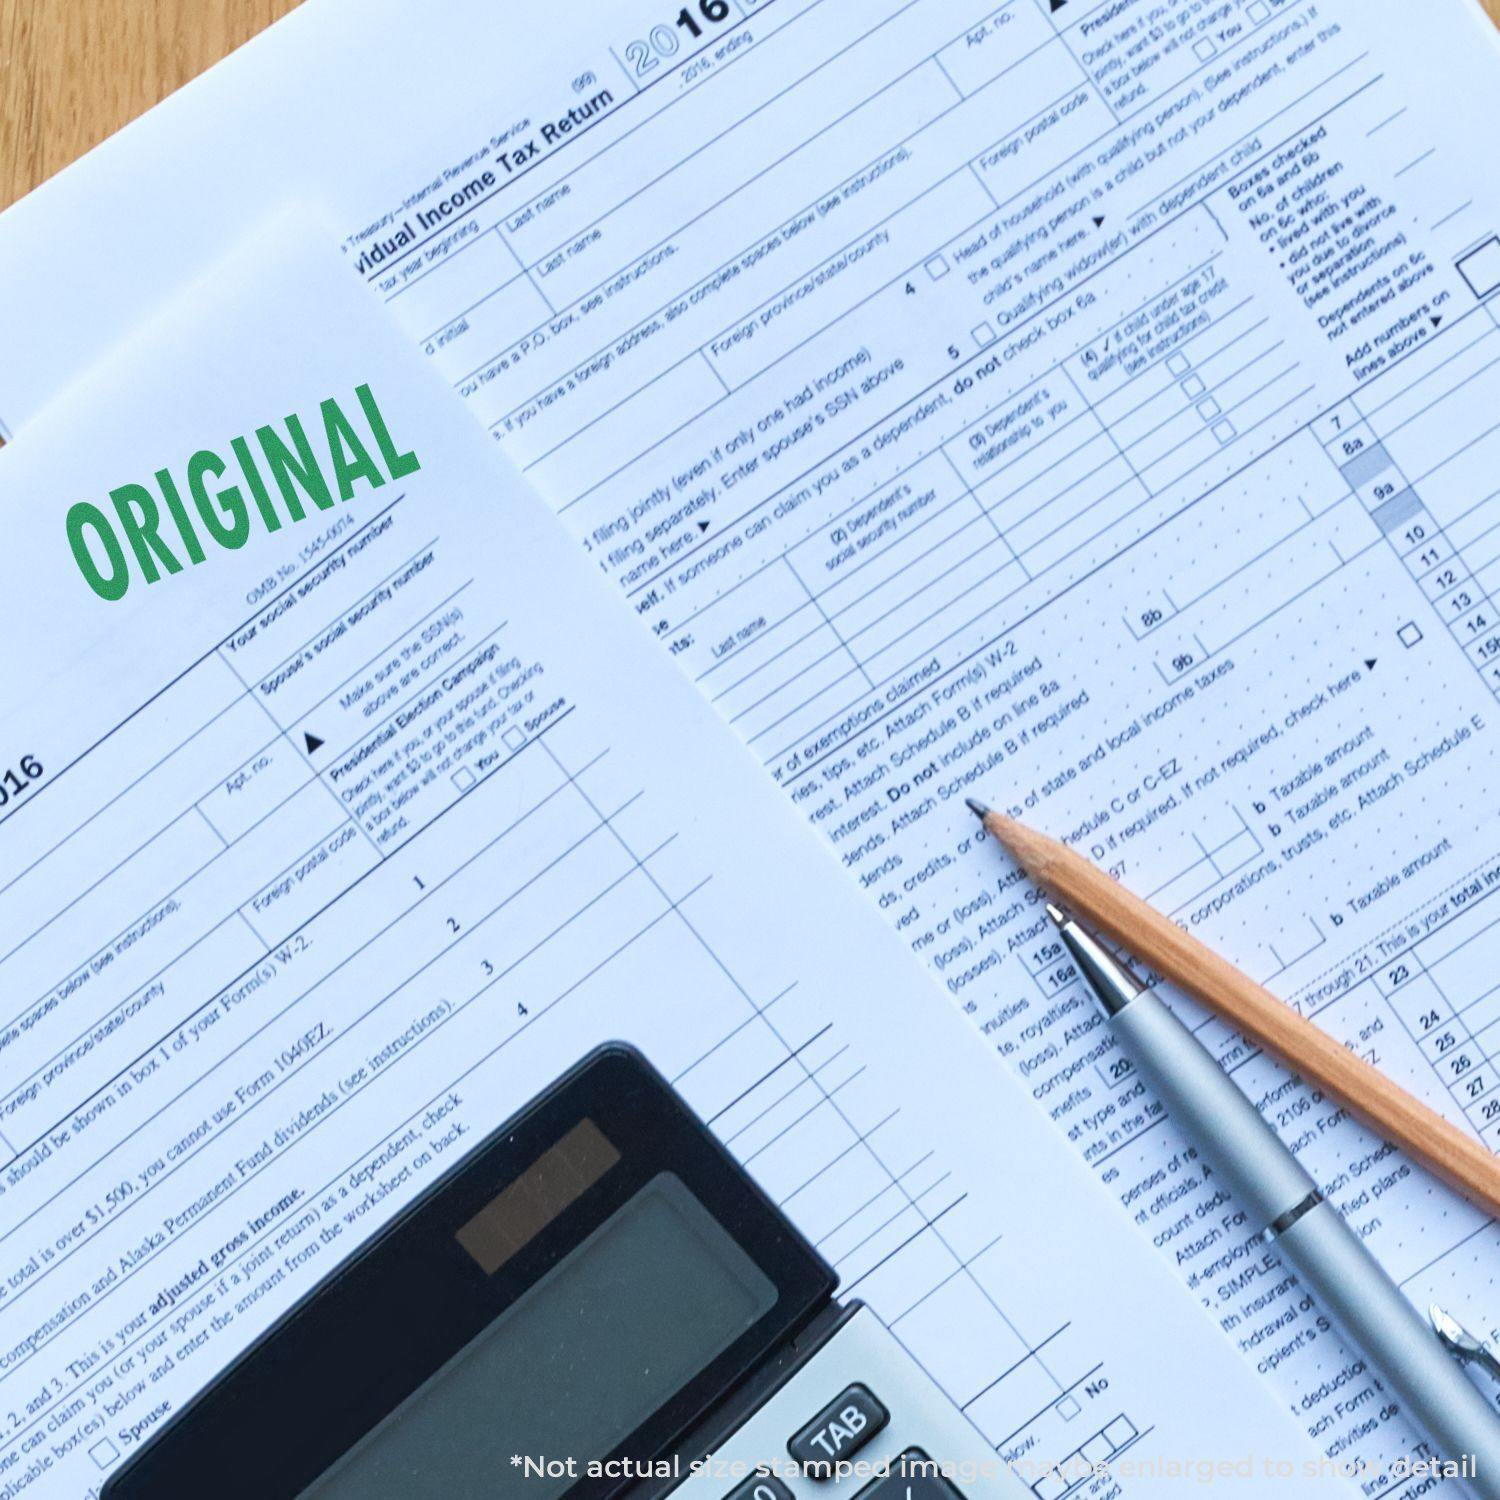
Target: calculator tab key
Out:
[843,1427]
[913,1476]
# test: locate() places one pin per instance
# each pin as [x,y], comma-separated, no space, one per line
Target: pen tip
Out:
[978,808]
[1058,915]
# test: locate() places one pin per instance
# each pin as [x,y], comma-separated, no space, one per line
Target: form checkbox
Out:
[1068,1408]
[937,267]
[1204,48]
[1225,432]
[1194,386]
[1178,364]
[1120,1431]
[1209,409]
[463,778]
[984,335]
[1481,268]
[515,738]
[1409,634]
[1258,12]
[104,1453]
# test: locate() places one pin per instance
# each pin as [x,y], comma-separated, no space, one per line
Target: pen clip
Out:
[1462,1344]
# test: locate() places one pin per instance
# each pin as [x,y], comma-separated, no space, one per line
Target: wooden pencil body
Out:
[1102,903]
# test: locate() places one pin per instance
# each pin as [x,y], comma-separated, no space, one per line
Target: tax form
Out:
[320,858]
[1088,405]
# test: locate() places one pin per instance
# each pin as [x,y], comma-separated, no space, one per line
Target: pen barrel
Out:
[1347,1281]
[1259,1171]
[1403,1351]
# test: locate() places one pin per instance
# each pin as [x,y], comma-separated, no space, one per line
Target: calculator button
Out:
[844,1426]
[913,1476]
[760,1487]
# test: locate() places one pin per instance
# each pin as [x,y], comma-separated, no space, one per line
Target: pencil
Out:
[1445,1150]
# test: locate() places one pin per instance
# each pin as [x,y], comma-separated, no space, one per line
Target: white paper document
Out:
[1090,405]
[320,856]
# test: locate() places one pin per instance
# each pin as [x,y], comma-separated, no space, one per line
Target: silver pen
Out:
[1267,1181]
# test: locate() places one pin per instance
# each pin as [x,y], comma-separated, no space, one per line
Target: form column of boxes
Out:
[1391,502]
[1197,392]
[1480,269]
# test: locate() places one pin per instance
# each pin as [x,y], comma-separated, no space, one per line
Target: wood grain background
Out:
[74,71]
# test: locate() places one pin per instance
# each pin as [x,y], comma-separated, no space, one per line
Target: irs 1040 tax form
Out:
[1088,404]
[334,849]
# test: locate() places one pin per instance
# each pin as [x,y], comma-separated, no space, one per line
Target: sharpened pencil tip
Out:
[978,808]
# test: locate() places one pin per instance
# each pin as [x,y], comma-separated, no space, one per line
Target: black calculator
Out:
[597,1301]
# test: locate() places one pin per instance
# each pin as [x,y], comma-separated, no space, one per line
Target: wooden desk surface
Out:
[74,71]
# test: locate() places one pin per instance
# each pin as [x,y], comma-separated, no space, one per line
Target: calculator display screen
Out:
[578,1362]
[593,1281]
